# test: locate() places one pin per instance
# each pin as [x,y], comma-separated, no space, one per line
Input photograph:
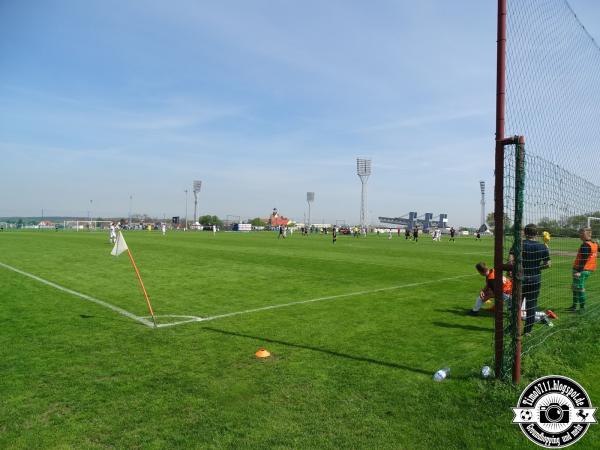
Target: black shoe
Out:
[473,313]
[572,308]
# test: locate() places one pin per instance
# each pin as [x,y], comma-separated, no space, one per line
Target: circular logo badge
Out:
[554,412]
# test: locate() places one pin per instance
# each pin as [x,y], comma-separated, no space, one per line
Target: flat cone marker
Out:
[262,353]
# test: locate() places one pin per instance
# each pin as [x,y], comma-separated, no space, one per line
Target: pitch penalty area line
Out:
[114,308]
[313,300]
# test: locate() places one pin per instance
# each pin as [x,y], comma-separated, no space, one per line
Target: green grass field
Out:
[351,369]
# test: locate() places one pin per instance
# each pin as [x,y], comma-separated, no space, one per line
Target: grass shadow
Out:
[330,352]
[109,317]
[462,327]
[465,312]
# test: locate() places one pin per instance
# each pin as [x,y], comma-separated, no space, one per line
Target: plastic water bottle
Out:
[441,374]
[542,317]
[486,371]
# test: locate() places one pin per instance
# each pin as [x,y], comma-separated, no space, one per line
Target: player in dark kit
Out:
[535,259]
[416,234]
[334,234]
[452,233]
[406,234]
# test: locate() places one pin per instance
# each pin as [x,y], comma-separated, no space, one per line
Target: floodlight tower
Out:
[197,186]
[186,202]
[310,197]
[363,170]
[482,186]
[130,200]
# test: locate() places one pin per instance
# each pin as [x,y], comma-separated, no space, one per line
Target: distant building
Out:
[275,220]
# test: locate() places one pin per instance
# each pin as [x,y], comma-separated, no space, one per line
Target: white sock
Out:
[478,304]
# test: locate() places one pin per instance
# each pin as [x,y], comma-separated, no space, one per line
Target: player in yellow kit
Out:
[547,238]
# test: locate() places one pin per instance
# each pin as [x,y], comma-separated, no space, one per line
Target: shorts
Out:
[579,283]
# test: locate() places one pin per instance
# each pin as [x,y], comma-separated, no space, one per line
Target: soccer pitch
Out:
[356,331]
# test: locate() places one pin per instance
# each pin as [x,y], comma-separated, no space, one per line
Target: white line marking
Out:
[172,315]
[84,296]
[554,262]
[188,319]
[172,324]
[301,302]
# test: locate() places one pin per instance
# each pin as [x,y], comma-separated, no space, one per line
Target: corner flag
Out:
[120,245]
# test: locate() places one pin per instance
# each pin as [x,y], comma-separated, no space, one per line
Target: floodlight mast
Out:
[130,200]
[186,203]
[197,186]
[310,197]
[482,187]
[363,170]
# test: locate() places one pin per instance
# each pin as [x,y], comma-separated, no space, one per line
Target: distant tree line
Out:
[565,227]
[569,226]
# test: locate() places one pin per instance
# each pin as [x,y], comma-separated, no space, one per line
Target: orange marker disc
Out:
[262,353]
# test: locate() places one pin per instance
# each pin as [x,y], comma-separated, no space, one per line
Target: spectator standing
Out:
[583,266]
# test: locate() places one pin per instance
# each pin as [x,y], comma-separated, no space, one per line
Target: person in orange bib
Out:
[584,265]
[487,292]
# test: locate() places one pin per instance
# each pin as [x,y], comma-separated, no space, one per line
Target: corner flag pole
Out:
[137,272]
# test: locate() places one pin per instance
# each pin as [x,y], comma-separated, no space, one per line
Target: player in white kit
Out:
[113,233]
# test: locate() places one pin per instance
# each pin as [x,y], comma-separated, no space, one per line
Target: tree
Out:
[491,223]
[569,226]
[258,222]
[207,219]
[551,226]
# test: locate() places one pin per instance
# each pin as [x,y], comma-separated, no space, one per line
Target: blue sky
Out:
[261,100]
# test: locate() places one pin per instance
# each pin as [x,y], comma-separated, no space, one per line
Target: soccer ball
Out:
[486,371]
[526,415]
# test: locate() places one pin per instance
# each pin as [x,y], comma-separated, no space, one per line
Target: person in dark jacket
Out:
[535,257]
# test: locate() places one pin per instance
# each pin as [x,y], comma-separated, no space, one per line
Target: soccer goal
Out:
[87,225]
[589,223]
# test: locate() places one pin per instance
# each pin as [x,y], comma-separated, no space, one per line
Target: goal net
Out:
[87,225]
[549,178]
